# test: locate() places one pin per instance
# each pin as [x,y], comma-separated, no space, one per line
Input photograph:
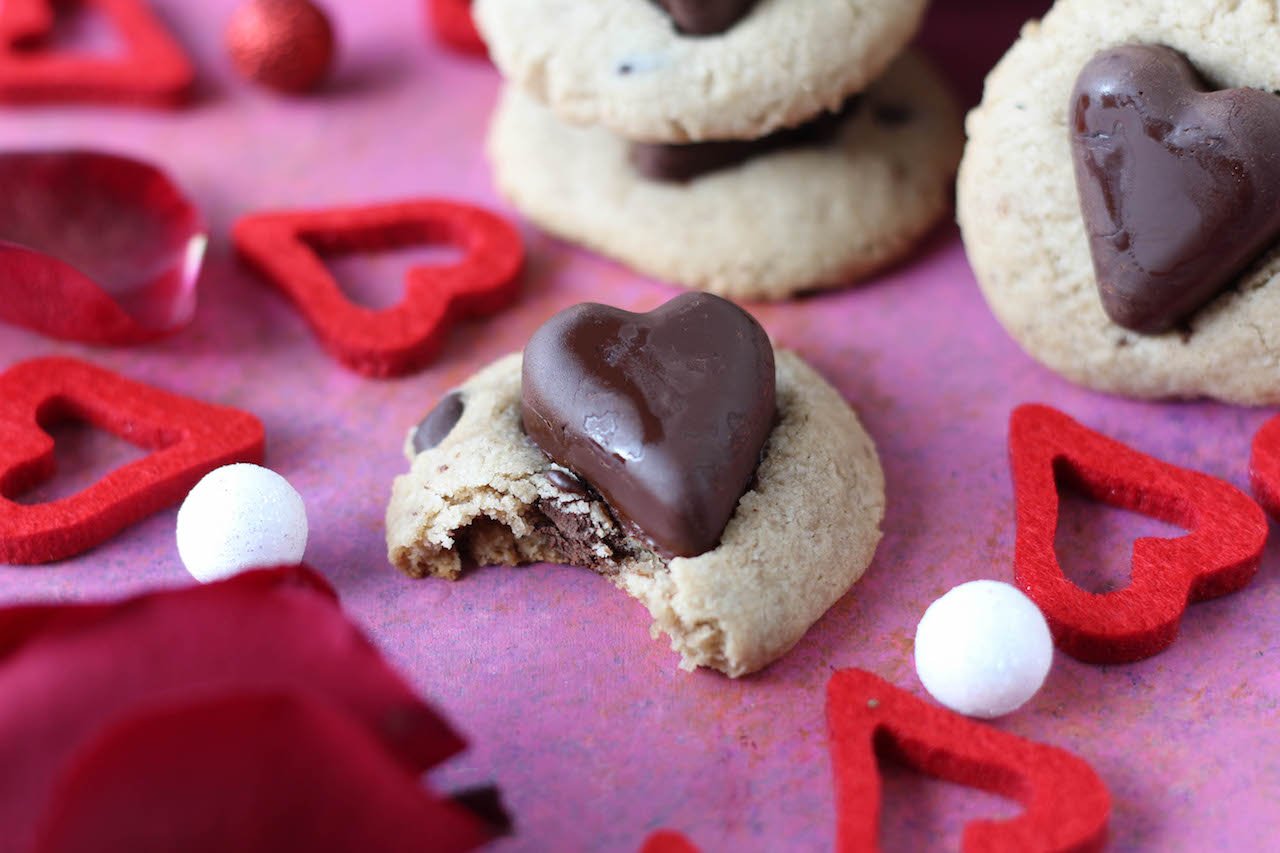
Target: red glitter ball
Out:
[284,44]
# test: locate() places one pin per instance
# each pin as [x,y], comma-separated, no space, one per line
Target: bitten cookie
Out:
[625,64]
[1173,167]
[801,535]
[803,218]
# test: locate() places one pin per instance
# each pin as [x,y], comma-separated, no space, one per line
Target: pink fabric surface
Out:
[587,725]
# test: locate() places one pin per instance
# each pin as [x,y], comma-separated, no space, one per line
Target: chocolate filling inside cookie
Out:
[706,17]
[439,422]
[683,163]
[574,536]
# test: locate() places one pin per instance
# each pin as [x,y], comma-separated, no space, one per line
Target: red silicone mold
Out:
[188,439]
[1218,555]
[96,247]
[285,249]
[1066,805]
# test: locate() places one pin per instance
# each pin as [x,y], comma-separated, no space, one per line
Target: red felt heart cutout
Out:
[1179,185]
[154,72]
[188,439]
[1219,554]
[284,248]
[664,413]
[1066,805]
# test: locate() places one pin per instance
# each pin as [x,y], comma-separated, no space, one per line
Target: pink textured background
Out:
[592,732]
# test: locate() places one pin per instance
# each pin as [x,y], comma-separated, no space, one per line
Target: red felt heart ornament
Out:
[285,249]
[153,72]
[1219,554]
[1066,805]
[188,439]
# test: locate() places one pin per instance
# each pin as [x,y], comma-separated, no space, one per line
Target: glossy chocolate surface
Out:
[1179,185]
[706,17]
[439,422]
[665,414]
[682,163]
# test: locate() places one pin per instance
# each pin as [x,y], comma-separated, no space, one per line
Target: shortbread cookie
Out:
[800,537]
[804,218]
[1021,214]
[624,65]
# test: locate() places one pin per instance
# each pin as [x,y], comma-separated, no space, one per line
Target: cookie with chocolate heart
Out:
[1179,185]
[727,487]
[817,206]
[676,71]
[1120,197]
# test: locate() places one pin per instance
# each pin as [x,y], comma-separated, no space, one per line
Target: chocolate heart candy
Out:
[706,17]
[664,413]
[1179,185]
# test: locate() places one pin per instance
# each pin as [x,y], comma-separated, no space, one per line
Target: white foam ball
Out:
[983,649]
[240,517]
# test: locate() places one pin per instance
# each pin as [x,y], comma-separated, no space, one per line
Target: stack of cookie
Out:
[751,148]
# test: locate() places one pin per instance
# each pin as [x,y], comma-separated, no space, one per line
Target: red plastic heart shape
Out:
[96,248]
[188,439]
[1067,807]
[1219,554]
[154,71]
[284,248]
[452,23]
